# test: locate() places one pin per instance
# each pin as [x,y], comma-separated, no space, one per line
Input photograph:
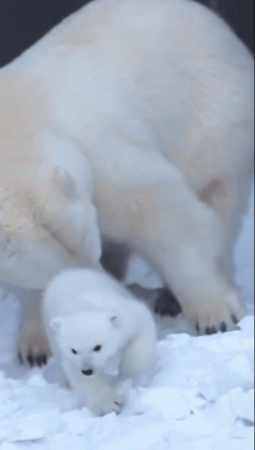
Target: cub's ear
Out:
[116,321]
[55,324]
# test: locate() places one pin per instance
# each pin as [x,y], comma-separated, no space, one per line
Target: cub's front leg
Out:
[99,396]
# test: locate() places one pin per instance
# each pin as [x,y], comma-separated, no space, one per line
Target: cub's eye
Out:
[97,348]
[74,351]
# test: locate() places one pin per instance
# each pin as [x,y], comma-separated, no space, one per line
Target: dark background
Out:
[22,22]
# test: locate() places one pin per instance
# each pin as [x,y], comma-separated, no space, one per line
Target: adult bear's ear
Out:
[116,321]
[55,324]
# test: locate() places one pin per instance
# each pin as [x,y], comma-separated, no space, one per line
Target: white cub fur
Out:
[102,335]
[132,122]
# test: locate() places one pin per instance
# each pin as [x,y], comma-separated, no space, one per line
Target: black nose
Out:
[87,372]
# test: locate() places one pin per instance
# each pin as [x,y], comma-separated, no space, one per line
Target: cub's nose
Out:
[87,372]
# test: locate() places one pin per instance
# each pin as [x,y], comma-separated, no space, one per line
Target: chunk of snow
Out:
[8,446]
[243,404]
[36,381]
[168,400]
[29,428]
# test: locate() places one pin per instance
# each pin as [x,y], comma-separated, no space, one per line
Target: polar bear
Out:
[130,122]
[101,334]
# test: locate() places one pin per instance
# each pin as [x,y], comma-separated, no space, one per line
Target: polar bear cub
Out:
[104,337]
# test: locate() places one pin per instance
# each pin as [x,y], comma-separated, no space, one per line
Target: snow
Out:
[201,396]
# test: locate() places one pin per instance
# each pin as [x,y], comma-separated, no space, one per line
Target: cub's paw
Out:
[109,402]
[166,303]
[32,346]
[106,407]
[213,317]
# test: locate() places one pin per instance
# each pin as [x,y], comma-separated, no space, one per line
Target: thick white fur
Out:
[84,308]
[133,120]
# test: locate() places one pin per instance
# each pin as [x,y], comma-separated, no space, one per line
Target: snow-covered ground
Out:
[201,397]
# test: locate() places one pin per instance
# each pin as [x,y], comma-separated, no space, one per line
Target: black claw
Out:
[223,327]
[209,330]
[21,360]
[197,327]
[234,319]
[118,404]
[38,361]
[41,359]
[30,359]
[44,359]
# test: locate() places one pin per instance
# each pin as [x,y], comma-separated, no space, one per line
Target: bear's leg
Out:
[228,195]
[162,300]
[32,345]
[115,258]
[97,394]
[184,238]
[101,397]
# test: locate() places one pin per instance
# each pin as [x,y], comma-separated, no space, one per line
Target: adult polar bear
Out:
[131,120]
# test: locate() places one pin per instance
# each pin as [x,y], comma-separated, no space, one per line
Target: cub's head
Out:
[88,340]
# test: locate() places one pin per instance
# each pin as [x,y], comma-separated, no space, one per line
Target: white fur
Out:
[133,120]
[84,308]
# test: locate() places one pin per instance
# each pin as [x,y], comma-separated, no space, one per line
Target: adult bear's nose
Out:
[87,372]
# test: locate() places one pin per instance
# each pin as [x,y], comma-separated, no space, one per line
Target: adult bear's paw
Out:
[33,347]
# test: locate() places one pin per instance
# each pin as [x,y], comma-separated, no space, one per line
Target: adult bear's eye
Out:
[97,348]
[74,351]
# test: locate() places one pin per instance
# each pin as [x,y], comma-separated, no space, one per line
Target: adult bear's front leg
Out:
[47,223]
[184,239]
[32,345]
